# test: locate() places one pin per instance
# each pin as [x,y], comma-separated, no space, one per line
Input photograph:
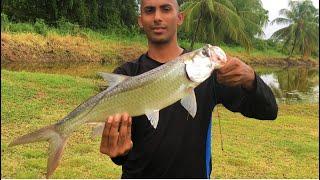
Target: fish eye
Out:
[205,52]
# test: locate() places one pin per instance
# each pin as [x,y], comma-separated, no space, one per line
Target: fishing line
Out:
[215,97]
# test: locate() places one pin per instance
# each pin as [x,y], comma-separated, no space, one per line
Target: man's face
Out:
[160,20]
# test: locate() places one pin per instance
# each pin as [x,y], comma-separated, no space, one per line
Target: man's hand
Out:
[236,72]
[116,136]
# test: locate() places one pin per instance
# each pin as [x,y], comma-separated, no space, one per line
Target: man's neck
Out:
[164,52]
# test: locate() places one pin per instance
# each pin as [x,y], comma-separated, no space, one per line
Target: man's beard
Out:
[159,41]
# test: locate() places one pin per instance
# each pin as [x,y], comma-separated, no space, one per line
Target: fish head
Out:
[204,61]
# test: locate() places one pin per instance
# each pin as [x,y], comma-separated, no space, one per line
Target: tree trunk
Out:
[306,54]
[195,32]
[294,44]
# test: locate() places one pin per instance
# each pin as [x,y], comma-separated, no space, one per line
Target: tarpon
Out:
[138,95]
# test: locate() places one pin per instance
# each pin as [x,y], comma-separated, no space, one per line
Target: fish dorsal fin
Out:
[112,79]
[153,118]
[190,103]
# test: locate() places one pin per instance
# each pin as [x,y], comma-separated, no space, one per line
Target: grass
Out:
[285,148]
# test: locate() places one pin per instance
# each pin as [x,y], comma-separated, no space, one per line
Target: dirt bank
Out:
[29,48]
[54,48]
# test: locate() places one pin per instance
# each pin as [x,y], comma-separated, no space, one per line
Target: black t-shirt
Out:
[177,148]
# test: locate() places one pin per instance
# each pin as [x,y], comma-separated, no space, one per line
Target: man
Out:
[179,146]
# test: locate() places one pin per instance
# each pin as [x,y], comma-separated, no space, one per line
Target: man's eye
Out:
[148,10]
[167,8]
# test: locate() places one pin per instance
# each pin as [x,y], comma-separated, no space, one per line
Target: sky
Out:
[274,6]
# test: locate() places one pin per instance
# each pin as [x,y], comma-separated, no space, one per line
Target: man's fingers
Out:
[123,129]
[129,128]
[230,64]
[129,146]
[231,78]
[104,145]
[107,126]
[114,131]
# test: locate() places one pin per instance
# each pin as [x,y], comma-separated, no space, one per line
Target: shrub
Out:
[21,27]
[66,27]
[5,23]
[40,27]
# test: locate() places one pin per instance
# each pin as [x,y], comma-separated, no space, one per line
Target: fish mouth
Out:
[217,56]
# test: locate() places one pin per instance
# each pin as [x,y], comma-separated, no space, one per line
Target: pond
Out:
[290,85]
[295,84]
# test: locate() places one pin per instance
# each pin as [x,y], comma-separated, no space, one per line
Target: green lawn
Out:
[285,148]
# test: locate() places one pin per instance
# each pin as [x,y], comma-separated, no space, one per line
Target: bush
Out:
[40,27]
[260,44]
[21,27]
[66,27]
[5,23]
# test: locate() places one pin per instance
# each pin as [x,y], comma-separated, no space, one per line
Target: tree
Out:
[302,33]
[213,21]
[254,16]
[86,13]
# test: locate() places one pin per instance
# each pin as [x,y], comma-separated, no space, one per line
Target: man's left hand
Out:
[235,73]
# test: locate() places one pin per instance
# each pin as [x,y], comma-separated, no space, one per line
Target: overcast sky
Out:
[273,6]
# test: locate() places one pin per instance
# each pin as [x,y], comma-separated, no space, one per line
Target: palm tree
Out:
[303,30]
[254,16]
[213,20]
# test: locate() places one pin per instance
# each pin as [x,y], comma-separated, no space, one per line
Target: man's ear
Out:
[180,18]
[139,22]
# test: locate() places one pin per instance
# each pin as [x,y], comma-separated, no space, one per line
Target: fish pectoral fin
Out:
[153,118]
[97,130]
[112,79]
[190,103]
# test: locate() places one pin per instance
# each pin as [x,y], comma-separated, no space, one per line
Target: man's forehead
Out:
[158,2]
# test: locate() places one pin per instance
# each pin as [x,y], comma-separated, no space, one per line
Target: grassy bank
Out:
[285,148]
[91,46]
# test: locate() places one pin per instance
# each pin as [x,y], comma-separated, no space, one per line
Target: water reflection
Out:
[298,84]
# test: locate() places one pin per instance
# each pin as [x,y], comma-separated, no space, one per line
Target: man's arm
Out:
[239,89]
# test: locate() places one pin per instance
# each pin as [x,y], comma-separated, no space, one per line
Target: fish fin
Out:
[56,145]
[112,79]
[190,103]
[97,130]
[153,118]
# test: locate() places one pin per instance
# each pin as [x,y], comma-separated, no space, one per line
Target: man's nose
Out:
[158,16]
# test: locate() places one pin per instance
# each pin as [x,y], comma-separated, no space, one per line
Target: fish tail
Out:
[56,144]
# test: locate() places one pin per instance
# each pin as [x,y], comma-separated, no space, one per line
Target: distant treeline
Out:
[95,14]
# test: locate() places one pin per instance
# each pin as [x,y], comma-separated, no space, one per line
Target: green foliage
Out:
[254,16]
[21,27]
[66,27]
[40,27]
[5,23]
[86,13]
[229,21]
[302,32]
[207,20]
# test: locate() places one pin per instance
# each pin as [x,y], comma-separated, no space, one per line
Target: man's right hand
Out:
[116,136]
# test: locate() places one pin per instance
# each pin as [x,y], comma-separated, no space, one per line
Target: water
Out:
[290,85]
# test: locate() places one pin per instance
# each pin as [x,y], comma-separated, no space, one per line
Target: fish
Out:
[144,94]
